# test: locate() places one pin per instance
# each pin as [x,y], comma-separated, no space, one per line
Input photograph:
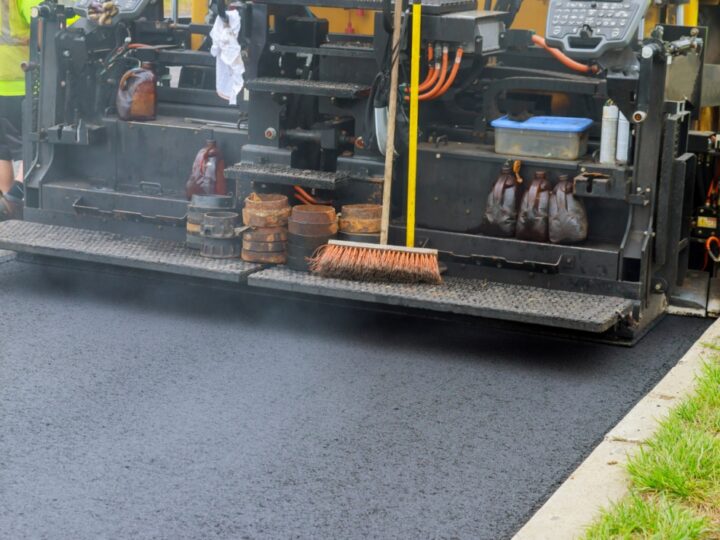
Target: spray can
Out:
[608,135]
[623,139]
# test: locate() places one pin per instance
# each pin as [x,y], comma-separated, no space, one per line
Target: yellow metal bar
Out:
[413,128]
[198,12]
[691,10]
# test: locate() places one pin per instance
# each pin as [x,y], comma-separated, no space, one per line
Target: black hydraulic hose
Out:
[387,16]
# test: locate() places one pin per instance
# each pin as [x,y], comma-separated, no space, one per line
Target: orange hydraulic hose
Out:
[562,58]
[708,249]
[429,80]
[434,74]
[438,85]
[304,194]
[453,73]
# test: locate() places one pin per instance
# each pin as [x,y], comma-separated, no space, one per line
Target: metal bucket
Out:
[200,205]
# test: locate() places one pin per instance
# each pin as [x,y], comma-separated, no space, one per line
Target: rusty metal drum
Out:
[265,257]
[310,227]
[199,206]
[221,248]
[313,220]
[265,210]
[360,218]
[219,224]
[266,234]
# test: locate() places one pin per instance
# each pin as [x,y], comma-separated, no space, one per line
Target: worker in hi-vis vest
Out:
[14,38]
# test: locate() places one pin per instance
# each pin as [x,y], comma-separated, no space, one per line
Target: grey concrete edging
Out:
[6,256]
[601,479]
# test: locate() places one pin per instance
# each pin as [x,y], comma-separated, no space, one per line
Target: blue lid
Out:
[545,123]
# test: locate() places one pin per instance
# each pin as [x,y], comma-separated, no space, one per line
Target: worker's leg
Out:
[10,150]
[7,174]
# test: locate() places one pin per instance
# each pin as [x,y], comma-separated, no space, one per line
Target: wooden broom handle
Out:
[392,114]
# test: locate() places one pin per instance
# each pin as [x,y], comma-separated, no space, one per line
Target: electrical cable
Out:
[563,58]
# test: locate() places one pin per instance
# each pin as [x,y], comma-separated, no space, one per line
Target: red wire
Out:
[708,249]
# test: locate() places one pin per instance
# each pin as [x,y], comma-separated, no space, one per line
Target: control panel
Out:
[589,28]
[116,9]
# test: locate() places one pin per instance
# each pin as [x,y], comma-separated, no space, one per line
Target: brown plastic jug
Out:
[501,210]
[137,94]
[533,216]
[208,172]
[568,217]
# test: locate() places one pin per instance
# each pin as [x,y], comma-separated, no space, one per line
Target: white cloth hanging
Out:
[229,67]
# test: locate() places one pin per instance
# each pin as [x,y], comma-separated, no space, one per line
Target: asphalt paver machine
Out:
[100,190]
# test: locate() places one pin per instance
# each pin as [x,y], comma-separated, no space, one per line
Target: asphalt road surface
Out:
[131,408]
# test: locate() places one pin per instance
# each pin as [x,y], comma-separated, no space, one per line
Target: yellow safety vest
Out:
[14,36]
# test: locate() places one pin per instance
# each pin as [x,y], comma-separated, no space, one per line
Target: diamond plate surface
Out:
[279,174]
[108,248]
[309,88]
[533,305]
[434,7]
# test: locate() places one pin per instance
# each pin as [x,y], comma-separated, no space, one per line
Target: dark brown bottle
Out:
[137,94]
[533,216]
[501,210]
[568,218]
[208,172]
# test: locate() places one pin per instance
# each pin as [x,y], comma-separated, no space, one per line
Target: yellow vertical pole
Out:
[413,128]
[691,11]
[198,12]
[691,18]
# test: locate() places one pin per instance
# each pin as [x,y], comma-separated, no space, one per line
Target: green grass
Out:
[650,517]
[675,477]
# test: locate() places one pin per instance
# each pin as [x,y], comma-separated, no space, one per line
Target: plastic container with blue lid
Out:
[555,137]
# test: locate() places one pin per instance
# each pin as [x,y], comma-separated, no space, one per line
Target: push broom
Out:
[383,262]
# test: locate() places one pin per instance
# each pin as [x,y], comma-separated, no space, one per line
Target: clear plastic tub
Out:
[555,137]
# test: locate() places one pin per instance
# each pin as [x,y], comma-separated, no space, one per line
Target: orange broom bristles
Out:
[369,262]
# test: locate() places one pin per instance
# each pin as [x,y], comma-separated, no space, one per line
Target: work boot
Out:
[10,208]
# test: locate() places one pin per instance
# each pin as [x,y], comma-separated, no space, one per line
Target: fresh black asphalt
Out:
[132,408]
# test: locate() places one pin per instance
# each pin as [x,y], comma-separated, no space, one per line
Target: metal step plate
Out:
[434,7]
[279,174]
[519,303]
[308,88]
[130,252]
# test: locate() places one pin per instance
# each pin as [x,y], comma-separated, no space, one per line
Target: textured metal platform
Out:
[434,7]
[560,309]
[347,4]
[279,174]
[107,248]
[335,49]
[308,88]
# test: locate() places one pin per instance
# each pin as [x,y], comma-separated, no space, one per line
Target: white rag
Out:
[229,67]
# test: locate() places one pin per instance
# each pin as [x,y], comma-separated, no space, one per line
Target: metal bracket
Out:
[502,262]
[126,215]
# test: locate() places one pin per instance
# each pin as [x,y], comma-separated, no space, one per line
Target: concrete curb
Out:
[6,256]
[601,479]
